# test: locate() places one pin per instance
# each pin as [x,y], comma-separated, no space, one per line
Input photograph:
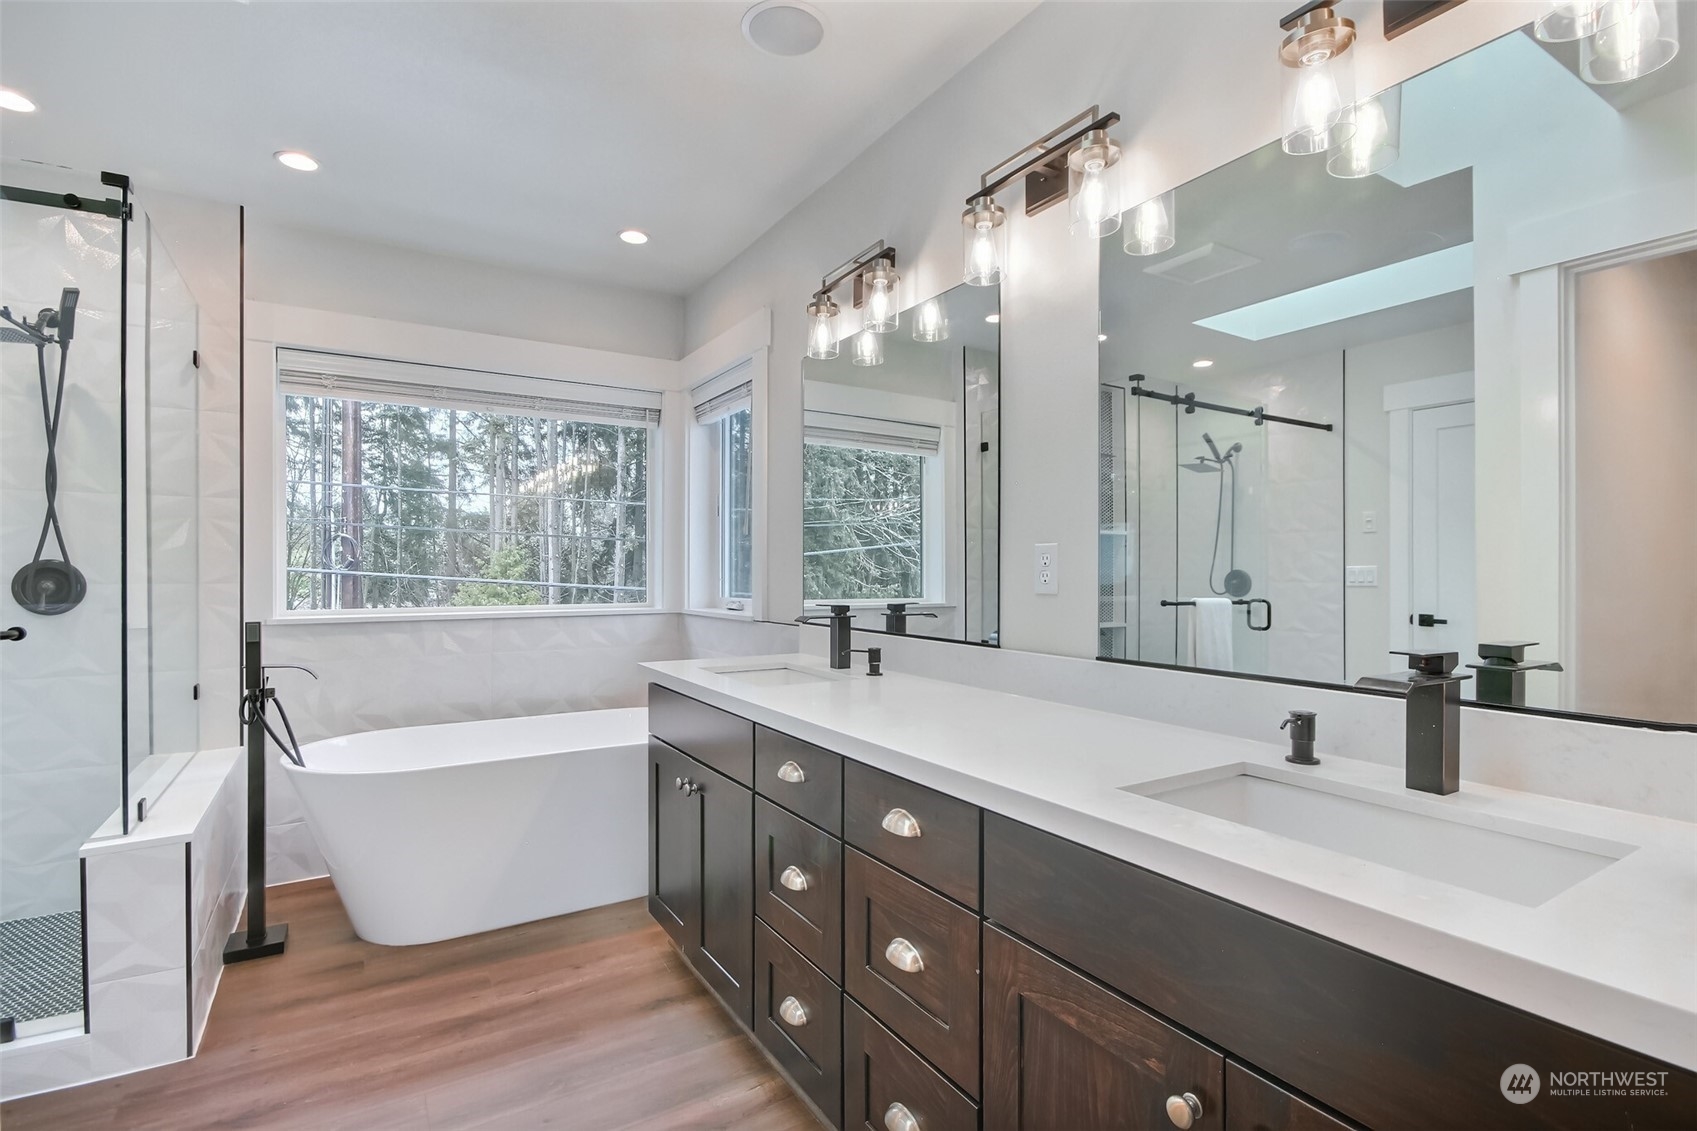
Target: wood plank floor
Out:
[586,1021]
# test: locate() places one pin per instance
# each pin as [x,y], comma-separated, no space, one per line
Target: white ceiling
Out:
[527,134]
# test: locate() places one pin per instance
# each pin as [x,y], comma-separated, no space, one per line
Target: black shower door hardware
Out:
[1249,604]
[1426,620]
[1189,403]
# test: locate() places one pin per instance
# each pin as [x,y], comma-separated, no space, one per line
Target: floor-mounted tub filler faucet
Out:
[1433,690]
[839,618]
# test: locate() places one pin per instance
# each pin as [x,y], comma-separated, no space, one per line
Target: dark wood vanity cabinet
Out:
[700,879]
[1063,1053]
[974,960]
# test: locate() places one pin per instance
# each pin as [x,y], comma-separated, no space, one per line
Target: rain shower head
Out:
[1203,464]
[8,334]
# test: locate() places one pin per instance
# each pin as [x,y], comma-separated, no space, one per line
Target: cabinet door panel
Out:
[713,737]
[780,760]
[933,1004]
[674,846]
[880,1072]
[724,951]
[942,846]
[798,1016]
[1062,1053]
[811,919]
[1255,1103]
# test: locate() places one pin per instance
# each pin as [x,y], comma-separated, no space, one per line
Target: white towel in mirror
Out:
[1211,633]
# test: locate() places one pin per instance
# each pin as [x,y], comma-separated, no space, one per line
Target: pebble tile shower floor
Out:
[41,966]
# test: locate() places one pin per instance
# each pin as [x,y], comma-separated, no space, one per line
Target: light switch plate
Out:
[1046,568]
[1369,522]
[1361,576]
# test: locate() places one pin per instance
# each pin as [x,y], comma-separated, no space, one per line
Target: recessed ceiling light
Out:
[12,100]
[1101,337]
[783,27]
[295,159]
[992,318]
[1201,363]
[633,235]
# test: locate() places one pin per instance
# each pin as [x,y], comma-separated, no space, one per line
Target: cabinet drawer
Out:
[707,734]
[941,848]
[1255,1103]
[800,776]
[911,957]
[1061,1051]
[1382,1044]
[798,1016]
[879,1072]
[798,885]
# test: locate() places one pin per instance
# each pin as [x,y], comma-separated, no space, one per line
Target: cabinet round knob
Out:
[900,822]
[791,772]
[1184,1110]
[898,1118]
[793,1012]
[793,878]
[903,955]
[680,783]
[691,788]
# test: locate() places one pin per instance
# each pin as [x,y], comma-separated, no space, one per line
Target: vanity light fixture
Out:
[930,321]
[874,260]
[296,160]
[1568,20]
[1151,229]
[1074,160]
[1633,38]
[1377,139]
[1319,78]
[12,100]
[868,348]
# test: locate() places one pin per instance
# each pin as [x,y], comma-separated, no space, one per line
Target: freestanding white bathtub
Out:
[439,831]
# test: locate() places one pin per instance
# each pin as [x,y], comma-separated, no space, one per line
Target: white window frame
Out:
[936,511]
[439,384]
[737,387]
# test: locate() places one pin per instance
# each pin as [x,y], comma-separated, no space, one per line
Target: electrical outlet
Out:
[1047,568]
[1361,576]
[1369,522]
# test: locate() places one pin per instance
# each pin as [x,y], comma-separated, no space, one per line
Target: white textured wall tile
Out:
[45,1066]
[139,1022]
[137,915]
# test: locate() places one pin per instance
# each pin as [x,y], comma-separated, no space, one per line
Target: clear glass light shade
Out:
[1633,38]
[1093,185]
[822,329]
[868,348]
[1319,102]
[984,230]
[1377,140]
[930,321]
[1151,227]
[1568,20]
[881,299]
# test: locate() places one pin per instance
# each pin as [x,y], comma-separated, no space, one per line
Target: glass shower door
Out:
[61,577]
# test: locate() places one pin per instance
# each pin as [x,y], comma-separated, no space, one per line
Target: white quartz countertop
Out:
[1615,955]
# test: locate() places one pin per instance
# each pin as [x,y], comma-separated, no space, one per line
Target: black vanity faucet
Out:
[896,617]
[841,632]
[1433,690]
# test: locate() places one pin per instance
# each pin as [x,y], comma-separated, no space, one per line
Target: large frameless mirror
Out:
[901,472]
[1426,393]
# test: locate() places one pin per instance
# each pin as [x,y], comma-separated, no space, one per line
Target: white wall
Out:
[303,267]
[1368,369]
[1207,94]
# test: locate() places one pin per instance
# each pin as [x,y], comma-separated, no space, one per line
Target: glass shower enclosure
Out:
[98,552]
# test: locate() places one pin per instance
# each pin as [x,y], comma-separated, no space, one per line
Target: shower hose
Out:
[51,406]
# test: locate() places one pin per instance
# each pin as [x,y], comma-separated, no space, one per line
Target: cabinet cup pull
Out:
[791,772]
[793,1012]
[903,955]
[898,1118]
[900,822]
[1184,1110]
[793,878]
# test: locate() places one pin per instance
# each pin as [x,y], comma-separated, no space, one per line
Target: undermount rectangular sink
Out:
[1509,859]
[773,675]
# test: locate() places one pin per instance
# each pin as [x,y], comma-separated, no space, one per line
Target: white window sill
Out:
[386,616]
[723,614]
